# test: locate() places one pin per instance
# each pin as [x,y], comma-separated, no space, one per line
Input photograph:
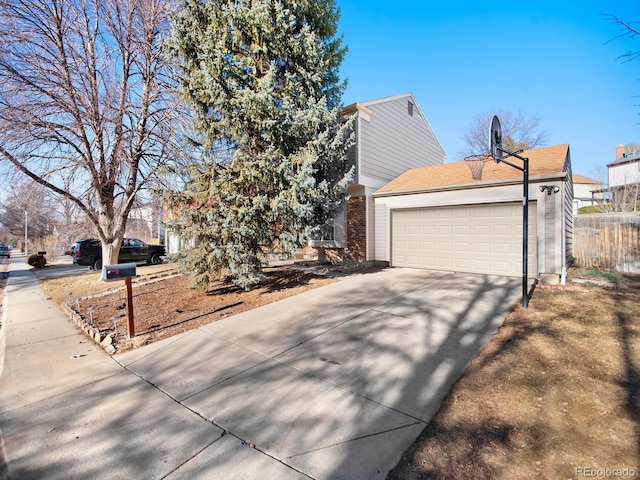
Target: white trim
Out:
[325,244]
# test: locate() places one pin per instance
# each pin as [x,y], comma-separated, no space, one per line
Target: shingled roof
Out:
[542,161]
[577,178]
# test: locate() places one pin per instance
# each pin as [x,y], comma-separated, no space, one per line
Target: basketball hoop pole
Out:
[525,219]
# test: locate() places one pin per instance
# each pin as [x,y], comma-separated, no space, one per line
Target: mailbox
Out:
[119,271]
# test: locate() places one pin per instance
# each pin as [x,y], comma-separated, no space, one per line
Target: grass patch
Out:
[86,283]
[613,277]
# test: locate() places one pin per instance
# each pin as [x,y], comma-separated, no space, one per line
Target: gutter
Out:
[546,177]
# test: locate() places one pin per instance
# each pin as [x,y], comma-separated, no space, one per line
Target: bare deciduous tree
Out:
[27,200]
[518,133]
[87,104]
[629,30]
[51,220]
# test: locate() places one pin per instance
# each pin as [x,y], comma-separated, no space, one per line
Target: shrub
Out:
[590,209]
[37,261]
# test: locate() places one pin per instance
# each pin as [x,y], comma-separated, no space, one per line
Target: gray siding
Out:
[568,211]
[394,141]
[550,240]
[380,233]
[371,232]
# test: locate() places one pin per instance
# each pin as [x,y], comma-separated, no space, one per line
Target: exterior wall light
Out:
[549,189]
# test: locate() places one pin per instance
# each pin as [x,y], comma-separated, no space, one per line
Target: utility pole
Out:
[26,234]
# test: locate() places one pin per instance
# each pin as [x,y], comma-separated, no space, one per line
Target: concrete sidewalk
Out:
[334,383]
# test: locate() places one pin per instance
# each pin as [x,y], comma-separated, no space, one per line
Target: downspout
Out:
[563,273]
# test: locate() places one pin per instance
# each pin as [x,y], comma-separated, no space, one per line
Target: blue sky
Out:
[557,60]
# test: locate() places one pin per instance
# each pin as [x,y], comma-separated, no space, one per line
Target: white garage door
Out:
[466,238]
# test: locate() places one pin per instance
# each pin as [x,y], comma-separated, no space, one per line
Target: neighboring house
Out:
[625,170]
[439,217]
[175,242]
[624,177]
[586,192]
[392,135]
[145,223]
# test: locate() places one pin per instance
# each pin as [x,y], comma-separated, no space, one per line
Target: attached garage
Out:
[485,238]
[441,218]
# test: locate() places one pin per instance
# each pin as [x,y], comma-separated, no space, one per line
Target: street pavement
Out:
[335,383]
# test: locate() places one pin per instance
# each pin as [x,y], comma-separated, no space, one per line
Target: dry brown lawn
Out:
[165,303]
[555,394]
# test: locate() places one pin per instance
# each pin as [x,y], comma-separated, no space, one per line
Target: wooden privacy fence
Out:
[609,241]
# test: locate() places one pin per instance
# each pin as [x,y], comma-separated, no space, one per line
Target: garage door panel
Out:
[504,230]
[463,264]
[445,263]
[472,238]
[399,230]
[462,213]
[506,213]
[481,265]
[502,248]
[444,247]
[428,262]
[481,248]
[463,247]
[502,268]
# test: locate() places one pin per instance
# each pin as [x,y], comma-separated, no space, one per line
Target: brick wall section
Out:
[357,228]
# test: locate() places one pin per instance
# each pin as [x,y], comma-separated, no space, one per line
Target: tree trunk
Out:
[110,252]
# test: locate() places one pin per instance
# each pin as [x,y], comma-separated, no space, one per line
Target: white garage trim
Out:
[480,238]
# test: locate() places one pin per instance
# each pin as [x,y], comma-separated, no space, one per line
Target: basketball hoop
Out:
[498,154]
[476,164]
[496,139]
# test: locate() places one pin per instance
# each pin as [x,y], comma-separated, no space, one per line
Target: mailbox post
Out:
[123,271]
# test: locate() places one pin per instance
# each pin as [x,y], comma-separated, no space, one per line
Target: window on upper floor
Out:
[410,108]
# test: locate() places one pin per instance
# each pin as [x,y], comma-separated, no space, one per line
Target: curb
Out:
[105,341]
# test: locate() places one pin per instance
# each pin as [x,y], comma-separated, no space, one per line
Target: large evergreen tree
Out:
[262,77]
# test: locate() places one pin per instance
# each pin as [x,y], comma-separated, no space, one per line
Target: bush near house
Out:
[37,261]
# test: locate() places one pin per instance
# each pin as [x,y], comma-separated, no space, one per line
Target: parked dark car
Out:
[88,252]
[5,251]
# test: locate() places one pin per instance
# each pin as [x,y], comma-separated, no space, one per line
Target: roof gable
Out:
[546,160]
[364,110]
[577,178]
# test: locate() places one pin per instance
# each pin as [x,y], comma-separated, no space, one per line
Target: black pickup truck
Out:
[88,252]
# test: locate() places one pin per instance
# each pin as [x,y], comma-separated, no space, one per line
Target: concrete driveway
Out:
[334,383]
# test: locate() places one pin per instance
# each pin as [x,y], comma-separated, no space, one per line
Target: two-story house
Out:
[624,175]
[625,170]
[392,135]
